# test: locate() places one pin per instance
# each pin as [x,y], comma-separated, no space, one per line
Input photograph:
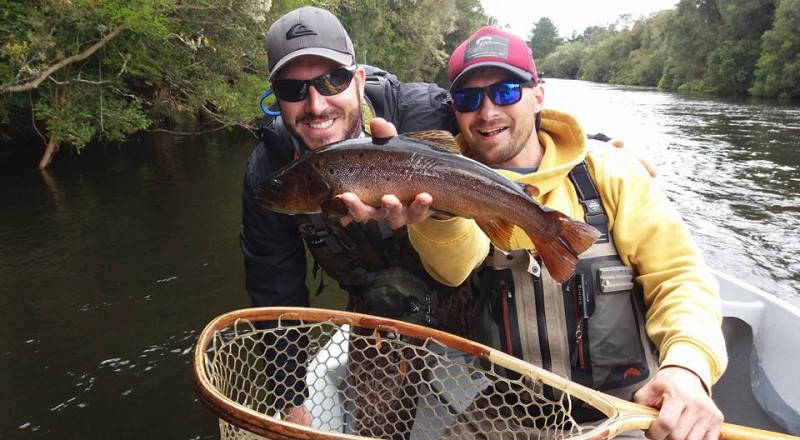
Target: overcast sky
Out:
[568,15]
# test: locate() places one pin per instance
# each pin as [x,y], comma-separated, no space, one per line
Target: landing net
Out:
[358,381]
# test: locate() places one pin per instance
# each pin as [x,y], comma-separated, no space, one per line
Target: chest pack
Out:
[383,274]
[590,329]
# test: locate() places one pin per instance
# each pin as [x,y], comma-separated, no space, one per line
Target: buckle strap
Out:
[590,199]
[322,234]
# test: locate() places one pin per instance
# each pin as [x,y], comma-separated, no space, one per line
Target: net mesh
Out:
[373,383]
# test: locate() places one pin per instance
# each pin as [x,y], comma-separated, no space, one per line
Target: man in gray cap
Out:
[310,47]
[324,98]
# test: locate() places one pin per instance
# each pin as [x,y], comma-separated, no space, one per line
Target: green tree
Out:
[730,67]
[565,62]
[543,38]
[591,34]
[693,33]
[99,71]
[405,37]
[609,48]
[646,50]
[778,68]
[53,52]
[604,58]
[469,16]
[732,62]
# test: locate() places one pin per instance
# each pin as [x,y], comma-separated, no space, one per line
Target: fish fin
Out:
[498,231]
[531,190]
[438,139]
[381,140]
[559,253]
[334,208]
[442,214]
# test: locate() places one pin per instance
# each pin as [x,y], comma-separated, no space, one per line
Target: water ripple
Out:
[730,167]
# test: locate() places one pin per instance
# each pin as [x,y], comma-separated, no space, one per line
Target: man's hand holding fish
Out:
[392,210]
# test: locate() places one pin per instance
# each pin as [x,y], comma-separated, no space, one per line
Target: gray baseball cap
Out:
[308,31]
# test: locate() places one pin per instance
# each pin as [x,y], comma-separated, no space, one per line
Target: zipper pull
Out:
[577,354]
[503,290]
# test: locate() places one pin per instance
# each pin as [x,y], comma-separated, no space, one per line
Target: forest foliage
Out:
[73,72]
[722,47]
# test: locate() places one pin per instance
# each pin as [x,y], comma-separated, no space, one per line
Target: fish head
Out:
[296,190]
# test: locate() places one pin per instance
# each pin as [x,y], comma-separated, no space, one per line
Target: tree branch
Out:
[65,62]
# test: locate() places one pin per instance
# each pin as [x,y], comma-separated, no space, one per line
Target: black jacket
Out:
[274,255]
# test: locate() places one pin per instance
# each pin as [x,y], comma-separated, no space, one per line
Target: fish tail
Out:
[559,251]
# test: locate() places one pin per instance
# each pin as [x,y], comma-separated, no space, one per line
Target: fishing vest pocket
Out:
[344,253]
[501,313]
[396,293]
[330,253]
[591,329]
[608,310]
[512,312]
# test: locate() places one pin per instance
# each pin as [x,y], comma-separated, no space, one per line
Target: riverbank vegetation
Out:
[75,72]
[723,47]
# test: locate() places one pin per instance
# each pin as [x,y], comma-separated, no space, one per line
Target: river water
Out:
[112,263]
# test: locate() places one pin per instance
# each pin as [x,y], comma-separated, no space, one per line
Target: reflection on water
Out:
[112,263]
[731,167]
[110,266]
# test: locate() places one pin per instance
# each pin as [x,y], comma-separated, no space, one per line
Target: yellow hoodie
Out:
[680,292]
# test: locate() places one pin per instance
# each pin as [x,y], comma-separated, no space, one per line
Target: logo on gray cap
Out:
[299,30]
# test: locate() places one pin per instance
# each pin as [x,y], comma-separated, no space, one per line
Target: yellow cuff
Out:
[449,249]
[688,356]
[444,232]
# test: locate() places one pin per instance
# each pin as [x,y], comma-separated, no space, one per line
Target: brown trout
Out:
[430,162]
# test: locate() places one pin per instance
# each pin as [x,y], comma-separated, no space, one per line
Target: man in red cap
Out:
[641,316]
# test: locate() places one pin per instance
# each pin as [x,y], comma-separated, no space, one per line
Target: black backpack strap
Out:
[374,87]
[379,236]
[322,234]
[590,199]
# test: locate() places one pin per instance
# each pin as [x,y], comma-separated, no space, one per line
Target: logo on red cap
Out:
[487,46]
[493,47]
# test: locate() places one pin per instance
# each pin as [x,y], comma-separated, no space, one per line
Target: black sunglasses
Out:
[501,93]
[332,83]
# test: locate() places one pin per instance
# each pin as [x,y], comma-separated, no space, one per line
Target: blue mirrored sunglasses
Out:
[501,93]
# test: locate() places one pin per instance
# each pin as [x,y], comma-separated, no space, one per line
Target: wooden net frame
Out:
[359,376]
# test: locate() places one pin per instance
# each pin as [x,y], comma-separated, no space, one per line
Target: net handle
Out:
[623,415]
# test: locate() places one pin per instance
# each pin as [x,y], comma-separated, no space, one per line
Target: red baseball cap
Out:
[492,47]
